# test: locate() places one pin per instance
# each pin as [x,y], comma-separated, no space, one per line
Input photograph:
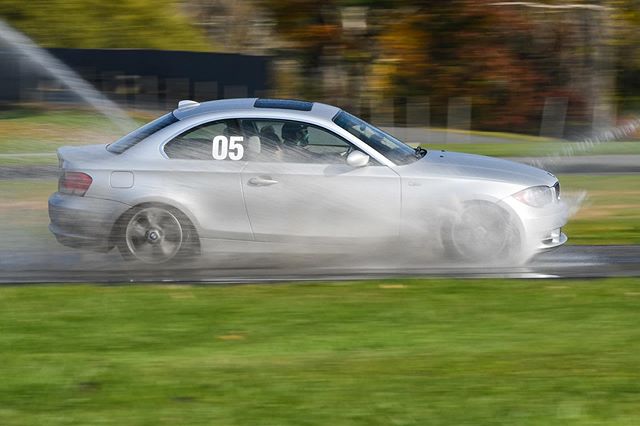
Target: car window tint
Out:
[295,142]
[196,143]
[138,135]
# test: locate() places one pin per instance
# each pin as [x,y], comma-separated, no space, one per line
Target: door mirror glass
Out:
[357,159]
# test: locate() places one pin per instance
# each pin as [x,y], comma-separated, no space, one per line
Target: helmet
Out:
[295,134]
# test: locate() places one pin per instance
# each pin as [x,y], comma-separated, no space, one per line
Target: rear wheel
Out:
[154,234]
[483,232]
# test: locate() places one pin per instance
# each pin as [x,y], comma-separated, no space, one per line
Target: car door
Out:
[304,189]
[204,174]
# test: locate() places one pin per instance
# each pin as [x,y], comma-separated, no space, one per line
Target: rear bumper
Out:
[78,241]
[83,222]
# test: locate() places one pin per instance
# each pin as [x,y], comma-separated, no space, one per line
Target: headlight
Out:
[536,196]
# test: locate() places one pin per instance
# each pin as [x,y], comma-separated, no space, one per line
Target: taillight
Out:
[74,183]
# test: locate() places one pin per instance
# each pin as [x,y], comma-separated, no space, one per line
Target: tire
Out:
[155,234]
[482,232]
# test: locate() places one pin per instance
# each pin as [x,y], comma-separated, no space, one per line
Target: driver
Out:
[295,134]
[295,137]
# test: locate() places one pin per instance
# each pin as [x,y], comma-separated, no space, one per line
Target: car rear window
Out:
[138,135]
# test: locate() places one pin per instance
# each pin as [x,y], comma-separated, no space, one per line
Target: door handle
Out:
[262,181]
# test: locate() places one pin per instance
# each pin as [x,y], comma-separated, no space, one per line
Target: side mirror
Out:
[357,159]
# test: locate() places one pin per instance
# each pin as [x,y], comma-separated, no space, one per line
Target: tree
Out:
[509,59]
[312,35]
[625,49]
[154,24]
[496,56]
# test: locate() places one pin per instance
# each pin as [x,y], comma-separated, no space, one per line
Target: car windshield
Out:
[138,135]
[395,150]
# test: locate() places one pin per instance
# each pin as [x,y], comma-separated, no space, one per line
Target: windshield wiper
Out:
[420,152]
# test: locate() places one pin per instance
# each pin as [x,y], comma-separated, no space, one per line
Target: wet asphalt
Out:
[76,266]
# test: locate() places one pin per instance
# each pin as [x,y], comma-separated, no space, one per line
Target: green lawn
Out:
[23,214]
[35,159]
[43,131]
[540,149]
[403,352]
[610,214]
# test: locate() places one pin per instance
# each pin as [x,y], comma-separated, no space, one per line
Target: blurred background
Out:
[553,69]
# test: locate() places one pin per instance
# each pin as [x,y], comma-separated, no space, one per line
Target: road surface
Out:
[67,265]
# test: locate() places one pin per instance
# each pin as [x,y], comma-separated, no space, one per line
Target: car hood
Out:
[470,166]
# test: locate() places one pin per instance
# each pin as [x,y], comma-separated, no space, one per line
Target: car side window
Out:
[197,143]
[294,142]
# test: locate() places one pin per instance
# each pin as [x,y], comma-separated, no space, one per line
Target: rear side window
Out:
[197,143]
[138,135]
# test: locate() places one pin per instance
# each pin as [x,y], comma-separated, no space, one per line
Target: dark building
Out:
[138,77]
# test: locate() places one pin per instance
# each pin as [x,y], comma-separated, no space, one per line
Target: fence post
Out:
[205,90]
[553,118]
[232,91]
[459,118]
[418,121]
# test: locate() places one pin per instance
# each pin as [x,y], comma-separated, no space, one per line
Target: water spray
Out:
[65,75]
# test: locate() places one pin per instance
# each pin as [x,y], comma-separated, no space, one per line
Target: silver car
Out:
[272,172]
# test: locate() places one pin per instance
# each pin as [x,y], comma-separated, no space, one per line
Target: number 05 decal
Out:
[231,147]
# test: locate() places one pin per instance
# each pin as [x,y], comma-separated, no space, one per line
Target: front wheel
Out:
[153,234]
[482,233]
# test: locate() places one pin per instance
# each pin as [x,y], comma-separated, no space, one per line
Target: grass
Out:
[26,160]
[27,190]
[611,212]
[539,149]
[43,131]
[497,135]
[23,214]
[404,352]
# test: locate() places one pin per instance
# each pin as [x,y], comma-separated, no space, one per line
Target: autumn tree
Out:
[508,59]
[155,24]
[312,35]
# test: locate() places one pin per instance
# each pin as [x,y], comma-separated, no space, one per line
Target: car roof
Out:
[315,109]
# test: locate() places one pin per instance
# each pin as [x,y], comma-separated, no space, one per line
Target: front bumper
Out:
[556,238]
[83,222]
[541,227]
